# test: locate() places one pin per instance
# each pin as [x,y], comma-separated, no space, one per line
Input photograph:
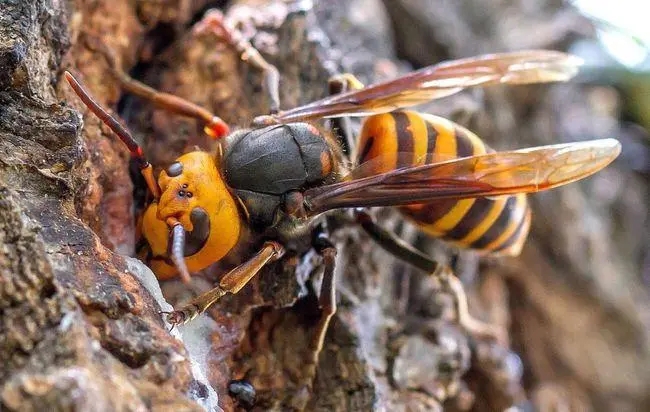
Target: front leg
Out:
[232,282]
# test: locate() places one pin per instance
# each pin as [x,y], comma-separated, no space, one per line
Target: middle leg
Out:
[326,300]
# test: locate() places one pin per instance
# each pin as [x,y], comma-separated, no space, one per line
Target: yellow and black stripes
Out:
[404,138]
[509,232]
[493,225]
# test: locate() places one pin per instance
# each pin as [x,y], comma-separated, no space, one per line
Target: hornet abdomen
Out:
[496,225]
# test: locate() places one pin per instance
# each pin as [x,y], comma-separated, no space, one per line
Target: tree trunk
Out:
[79,322]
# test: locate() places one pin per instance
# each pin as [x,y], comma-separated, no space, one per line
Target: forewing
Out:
[440,80]
[494,174]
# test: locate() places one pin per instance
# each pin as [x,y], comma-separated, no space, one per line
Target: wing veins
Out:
[492,174]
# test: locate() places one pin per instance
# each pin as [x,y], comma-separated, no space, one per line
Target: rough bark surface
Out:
[79,323]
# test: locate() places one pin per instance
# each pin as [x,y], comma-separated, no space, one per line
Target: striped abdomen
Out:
[404,138]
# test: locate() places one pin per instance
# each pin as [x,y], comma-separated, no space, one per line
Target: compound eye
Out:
[175,169]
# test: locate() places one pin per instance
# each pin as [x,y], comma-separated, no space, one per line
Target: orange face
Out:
[194,193]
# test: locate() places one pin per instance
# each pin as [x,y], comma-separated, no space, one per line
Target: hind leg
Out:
[442,273]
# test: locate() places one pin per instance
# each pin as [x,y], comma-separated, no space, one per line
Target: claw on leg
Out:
[181,316]
[173,318]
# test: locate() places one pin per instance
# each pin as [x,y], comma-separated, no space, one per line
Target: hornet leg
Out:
[232,282]
[215,21]
[465,320]
[404,251]
[215,127]
[395,245]
[326,300]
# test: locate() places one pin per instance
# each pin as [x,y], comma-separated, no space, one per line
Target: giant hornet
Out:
[280,178]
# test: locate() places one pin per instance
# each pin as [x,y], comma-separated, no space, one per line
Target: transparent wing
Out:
[493,174]
[440,80]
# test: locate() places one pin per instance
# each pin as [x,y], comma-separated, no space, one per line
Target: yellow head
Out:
[194,193]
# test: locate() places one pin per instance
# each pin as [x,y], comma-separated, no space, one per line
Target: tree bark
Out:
[79,323]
